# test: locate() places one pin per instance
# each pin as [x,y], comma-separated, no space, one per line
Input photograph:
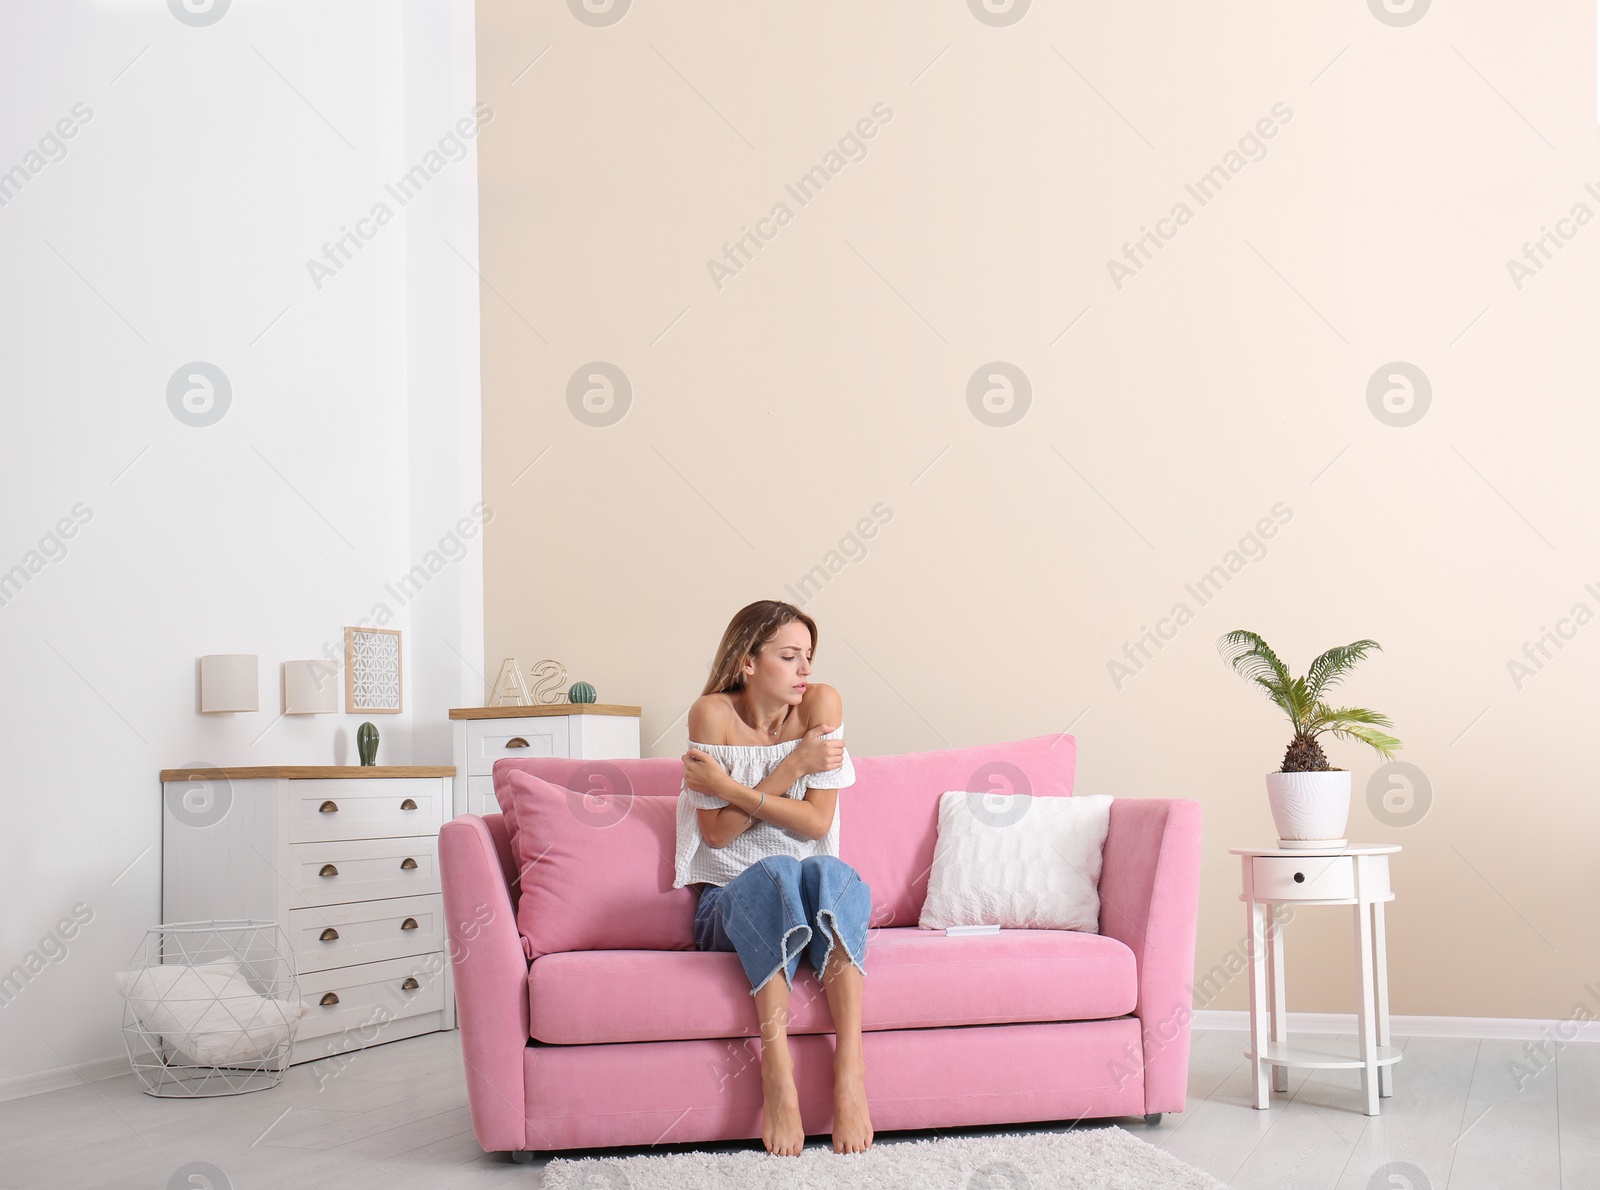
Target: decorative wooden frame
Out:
[360,658]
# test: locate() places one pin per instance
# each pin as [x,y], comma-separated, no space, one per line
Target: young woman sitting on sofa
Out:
[758,838]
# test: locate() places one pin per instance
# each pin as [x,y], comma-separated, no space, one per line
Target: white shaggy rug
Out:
[1083,1159]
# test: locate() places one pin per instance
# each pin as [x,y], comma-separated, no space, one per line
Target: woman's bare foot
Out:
[781,1130]
[852,1127]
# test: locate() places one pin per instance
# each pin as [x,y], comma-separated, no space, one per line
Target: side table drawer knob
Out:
[328,807]
[516,741]
[409,923]
[329,999]
[328,870]
[410,985]
[1299,877]
[408,804]
[329,935]
[408,863]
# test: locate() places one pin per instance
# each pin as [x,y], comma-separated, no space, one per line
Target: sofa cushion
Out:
[915,979]
[596,869]
[1021,861]
[654,776]
[891,814]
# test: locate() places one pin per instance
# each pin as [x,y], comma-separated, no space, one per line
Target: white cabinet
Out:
[346,860]
[578,730]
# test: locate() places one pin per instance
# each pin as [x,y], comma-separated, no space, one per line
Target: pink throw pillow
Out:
[597,870]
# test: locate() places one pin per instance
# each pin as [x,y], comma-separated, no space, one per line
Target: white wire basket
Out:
[210,1008]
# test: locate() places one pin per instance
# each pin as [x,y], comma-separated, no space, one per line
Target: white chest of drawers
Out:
[346,860]
[578,730]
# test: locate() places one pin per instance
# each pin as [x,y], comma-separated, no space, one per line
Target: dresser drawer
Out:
[1303,878]
[364,809]
[365,932]
[489,740]
[363,870]
[480,796]
[368,995]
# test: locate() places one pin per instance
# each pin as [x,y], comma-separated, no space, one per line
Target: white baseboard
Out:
[1475,1028]
[20,1086]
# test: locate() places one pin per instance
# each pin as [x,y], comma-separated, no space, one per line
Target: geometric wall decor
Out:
[372,671]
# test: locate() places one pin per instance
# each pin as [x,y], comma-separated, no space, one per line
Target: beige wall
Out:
[1225,378]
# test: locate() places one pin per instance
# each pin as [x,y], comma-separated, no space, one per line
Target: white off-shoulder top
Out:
[750,764]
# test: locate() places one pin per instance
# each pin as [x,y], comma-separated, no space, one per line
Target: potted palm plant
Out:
[1310,799]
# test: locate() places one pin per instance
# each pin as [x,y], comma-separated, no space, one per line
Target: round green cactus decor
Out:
[581,692]
[367,744]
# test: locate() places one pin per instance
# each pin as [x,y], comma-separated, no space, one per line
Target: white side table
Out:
[1357,876]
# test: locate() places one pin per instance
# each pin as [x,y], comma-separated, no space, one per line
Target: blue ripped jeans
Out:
[781,906]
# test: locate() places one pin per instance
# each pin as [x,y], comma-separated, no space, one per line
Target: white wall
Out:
[214,162]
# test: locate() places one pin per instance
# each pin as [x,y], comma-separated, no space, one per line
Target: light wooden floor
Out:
[397,1117]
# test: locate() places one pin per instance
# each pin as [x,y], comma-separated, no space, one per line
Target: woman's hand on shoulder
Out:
[816,755]
[825,713]
[703,772]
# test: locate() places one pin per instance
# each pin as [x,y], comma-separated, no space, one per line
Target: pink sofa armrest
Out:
[491,980]
[1150,901]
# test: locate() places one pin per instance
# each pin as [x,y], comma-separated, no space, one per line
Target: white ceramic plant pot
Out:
[1310,810]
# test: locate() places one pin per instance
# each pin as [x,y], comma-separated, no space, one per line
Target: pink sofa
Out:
[608,1047]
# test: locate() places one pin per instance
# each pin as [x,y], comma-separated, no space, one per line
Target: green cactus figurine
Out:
[581,692]
[367,744]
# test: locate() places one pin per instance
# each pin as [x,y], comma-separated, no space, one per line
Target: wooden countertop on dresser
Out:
[307,772]
[544,708]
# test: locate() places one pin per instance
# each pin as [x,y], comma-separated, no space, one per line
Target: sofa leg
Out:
[521,1156]
[1152,1118]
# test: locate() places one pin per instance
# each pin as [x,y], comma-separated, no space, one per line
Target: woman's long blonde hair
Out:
[747,633]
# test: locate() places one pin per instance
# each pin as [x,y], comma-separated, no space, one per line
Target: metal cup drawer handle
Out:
[328,807]
[408,863]
[328,870]
[408,804]
[516,741]
[410,985]
[329,935]
[329,1000]
[409,923]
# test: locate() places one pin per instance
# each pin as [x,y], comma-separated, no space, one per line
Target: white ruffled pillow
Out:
[209,1013]
[1017,861]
